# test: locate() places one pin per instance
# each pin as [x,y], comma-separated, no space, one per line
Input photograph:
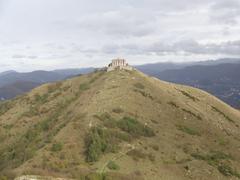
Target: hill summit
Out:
[119,125]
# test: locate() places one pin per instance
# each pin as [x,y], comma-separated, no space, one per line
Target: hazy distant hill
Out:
[155,68]
[221,80]
[10,77]
[121,125]
[35,76]
[13,83]
[20,87]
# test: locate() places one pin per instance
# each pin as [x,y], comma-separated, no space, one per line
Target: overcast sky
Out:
[53,34]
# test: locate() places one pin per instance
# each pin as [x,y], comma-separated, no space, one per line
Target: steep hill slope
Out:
[119,125]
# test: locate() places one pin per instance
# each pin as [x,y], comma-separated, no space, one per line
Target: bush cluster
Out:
[113,166]
[105,139]
[139,85]
[223,114]
[56,147]
[117,110]
[188,95]
[4,107]
[188,130]
[135,128]
[216,159]
[100,141]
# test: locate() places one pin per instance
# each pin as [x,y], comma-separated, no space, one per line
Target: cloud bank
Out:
[43,34]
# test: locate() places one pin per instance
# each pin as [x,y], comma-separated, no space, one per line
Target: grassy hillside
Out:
[119,125]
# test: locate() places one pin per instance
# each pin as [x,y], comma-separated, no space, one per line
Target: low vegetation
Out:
[41,99]
[100,141]
[139,86]
[188,95]
[54,87]
[134,127]
[118,110]
[84,86]
[144,94]
[5,106]
[56,147]
[105,139]
[218,160]
[227,170]
[33,139]
[8,126]
[173,104]
[192,114]
[188,130]
[113,166]
[155,147]
[33,111]
[223,114]
[137,154]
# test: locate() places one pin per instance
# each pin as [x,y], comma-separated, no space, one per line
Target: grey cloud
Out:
[32,57]
[18,56]
[226,12]
[231,48]
[120,23]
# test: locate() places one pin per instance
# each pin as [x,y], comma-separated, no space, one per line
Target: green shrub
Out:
[55,86]
[155,147]
[213,158]
[108,121]
[226,170]
[112,165]
[117,110]
[151,157]
[188,95]
[223,114]
[41,99]
[56,147]
[173,104]
[144,94]
[35,138]
[188,130]
[84,86]
[33,111]
[4,107]
[139,85]
[105,139]
[94,176]
[103,116]
[100,141]
[192,114]
[8,126]
[3,178]
[137,154]
[135,128]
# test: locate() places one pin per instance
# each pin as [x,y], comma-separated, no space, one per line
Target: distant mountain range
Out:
[221,80]
[14,83]
[218,77]
[155,68]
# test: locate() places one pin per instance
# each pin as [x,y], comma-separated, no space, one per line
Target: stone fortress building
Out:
[118,64]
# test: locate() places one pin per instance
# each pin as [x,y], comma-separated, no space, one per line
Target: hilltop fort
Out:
[118,64]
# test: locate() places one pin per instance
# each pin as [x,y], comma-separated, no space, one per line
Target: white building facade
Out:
[119,64]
